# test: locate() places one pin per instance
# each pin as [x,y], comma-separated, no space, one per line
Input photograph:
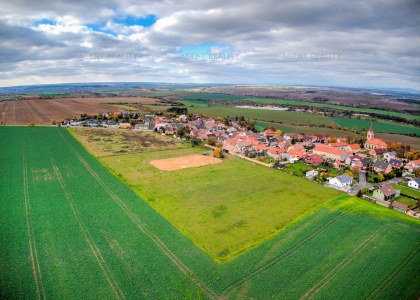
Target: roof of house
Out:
[245,143]
[379,151]
[297,153]
[416,162]
[388,190]
[327,149]
[366,160]
[417,180]
[400,205]
[277,151]
[380,165]
[315,159]
[344,178]
[376,142]
[339,144]
[355,146]
[395,162]
[260,147]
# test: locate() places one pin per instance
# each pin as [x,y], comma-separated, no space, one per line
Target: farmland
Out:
[332,106]
[43,111]
[286,117]
[104,142]
[380,126]
[257,203]
[71,229]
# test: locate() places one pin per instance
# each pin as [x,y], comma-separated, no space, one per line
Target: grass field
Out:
[378,126]
[286,117]
[103,141]
[333,106]
[71,229]
[236,203]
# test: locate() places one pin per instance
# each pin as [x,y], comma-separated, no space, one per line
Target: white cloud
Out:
[377,42]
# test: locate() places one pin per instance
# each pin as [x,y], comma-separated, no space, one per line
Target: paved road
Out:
[390,181]
[360,185]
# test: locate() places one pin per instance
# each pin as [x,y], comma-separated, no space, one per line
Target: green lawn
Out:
[405,200]
[236,203]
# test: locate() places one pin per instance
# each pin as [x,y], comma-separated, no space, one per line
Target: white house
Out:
[341,181]
[415,183]
[311,174]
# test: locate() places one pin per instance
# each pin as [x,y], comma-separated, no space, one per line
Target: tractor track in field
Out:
[394,274]
[33,253]
[276,260]
[142,227]
[88,237]
[330,275]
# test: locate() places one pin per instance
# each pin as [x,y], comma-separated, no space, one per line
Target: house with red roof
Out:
[341,145]
[296,153]
[331,153]
[276,153]
[353,148]
[413,165]
[313,159]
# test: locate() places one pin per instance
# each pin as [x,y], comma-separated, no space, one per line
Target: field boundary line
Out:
[33,253]
[394,274]
[276,260]
[142,227]
[334,271]
[88,237]
[161,245]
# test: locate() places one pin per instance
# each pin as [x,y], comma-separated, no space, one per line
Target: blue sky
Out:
[351,43]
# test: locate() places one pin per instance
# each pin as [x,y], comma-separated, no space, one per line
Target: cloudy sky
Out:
[327,42]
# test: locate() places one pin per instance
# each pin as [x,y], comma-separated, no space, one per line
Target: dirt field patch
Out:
[43,111]
[184,162]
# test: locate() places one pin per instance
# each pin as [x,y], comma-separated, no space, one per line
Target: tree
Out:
[332,140]
[195,142]
[278,133]
[348,172]
[355,170]
[211,141]
[218,152]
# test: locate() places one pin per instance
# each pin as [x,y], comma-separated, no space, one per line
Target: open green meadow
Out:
[236,203]
[333,106]
[70,229]
[378,126]
[286,117]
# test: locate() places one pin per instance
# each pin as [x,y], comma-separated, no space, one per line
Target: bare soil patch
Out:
[43,111]
[192,161]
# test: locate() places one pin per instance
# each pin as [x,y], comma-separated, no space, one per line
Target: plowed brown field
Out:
[43,111]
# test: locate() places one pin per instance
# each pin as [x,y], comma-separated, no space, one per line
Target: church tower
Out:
[370,134]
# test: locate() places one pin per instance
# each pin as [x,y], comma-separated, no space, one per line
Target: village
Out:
[365,168]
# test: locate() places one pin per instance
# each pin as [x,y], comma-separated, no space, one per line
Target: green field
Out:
[378,126]
[286,117]
[69,229]
[236,203]
[333,106]
[210,97]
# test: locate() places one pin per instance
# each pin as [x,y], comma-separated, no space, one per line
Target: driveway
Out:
[390,181]
[362,184]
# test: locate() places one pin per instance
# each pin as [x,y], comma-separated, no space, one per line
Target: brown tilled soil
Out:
[184,162]
[43,111]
